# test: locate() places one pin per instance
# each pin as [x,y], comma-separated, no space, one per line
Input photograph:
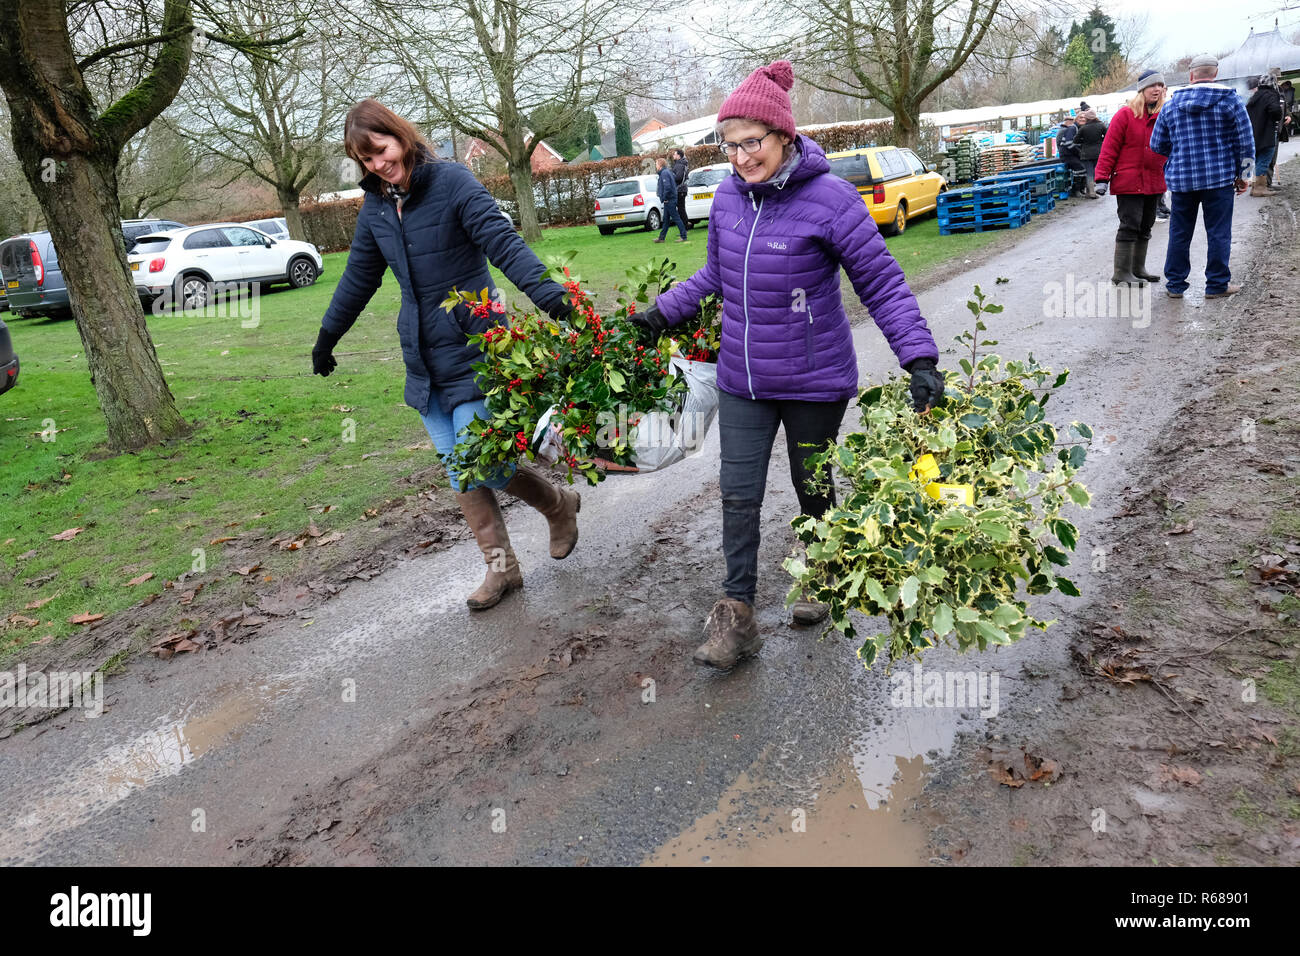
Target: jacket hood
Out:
[1200,97]
[812,163]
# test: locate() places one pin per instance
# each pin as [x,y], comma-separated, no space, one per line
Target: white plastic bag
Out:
[664,438]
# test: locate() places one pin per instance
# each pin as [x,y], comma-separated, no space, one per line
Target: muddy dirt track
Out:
[568,725]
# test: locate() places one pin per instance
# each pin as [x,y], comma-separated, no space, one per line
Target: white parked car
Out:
[188,263]
[629,202]
[700,186]
[275,228]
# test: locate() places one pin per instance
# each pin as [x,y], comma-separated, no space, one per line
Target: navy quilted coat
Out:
[774,253]
[450,228]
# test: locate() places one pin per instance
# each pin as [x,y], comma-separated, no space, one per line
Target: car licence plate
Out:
[704,196]
[13,283]
[611,218]
[135,267]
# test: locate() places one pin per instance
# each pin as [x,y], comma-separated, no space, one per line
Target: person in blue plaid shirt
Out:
[1205,132]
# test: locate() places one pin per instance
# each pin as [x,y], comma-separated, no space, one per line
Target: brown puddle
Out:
[839,829]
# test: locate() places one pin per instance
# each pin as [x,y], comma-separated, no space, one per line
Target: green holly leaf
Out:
[942,623]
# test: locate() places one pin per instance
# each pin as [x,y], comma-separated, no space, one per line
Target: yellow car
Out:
[895,185]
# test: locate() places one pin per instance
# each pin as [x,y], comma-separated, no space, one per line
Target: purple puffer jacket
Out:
[774,253]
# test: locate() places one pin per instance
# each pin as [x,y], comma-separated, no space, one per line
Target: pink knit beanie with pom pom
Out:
[764,97]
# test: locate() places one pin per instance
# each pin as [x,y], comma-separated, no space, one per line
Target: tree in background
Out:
[895,52]
[484,67]
[157,168]
[275,118]
[1100,39]
[1078,58]
[68,147]
[622,127]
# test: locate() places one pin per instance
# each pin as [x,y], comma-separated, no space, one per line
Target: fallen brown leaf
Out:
[27,555]
[181,481]
[223,540]
[66,535]
[329,538]
[140,580]
[33,605]
[1184,775]
[246,571]
[312,530]
[21,620]
[84,618]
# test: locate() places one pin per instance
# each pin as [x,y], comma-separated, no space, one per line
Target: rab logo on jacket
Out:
[773,244]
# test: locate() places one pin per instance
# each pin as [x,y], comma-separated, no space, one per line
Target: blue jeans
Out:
[747,430]
[670,217]
[1264,160]
[1217,204]
[444,428]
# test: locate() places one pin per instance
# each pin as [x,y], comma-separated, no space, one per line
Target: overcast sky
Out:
[1205,26]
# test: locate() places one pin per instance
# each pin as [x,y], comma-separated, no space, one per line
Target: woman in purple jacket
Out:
[779,231]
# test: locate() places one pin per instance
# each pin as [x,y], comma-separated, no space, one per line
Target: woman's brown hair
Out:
[371,116]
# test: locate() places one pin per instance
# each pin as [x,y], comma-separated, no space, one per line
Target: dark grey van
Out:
[33,280]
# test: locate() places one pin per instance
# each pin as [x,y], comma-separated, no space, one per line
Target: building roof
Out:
[690,133]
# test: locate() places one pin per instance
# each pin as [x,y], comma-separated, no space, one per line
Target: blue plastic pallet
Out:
[947,230]
[990,217]
[985,208]
[979,192]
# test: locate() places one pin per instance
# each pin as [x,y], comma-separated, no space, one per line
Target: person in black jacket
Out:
[436,227]
[1092,132]
[668,196]
[1265,111]
[1069,153]
[679,174]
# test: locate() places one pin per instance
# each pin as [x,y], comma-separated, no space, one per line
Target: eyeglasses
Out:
[750,146]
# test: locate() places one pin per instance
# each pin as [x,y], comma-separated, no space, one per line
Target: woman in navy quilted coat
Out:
[780,229]
[436,227]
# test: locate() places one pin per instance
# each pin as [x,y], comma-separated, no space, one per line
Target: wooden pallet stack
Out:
[1004,205]
[999,159]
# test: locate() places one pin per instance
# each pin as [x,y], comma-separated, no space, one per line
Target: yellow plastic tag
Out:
[953,494]
[926,467]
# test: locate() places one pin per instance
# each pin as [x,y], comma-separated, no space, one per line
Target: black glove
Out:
[651,320]
[322,358]
[927,384]
[562,312]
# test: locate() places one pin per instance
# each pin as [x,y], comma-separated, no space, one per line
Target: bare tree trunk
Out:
[69,155]
[79,206]
[521,177]
[289,205]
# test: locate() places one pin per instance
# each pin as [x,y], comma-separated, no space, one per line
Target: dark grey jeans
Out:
[747,430]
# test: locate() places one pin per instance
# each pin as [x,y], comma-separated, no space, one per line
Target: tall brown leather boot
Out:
[483,515]
[559,507]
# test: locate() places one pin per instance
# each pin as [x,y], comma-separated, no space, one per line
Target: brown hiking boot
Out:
[732,633]
[1259,187]
[483,515]
[807,611]
[1230,290]
[559,507]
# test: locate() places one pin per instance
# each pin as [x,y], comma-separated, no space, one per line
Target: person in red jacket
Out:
[1136,175]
